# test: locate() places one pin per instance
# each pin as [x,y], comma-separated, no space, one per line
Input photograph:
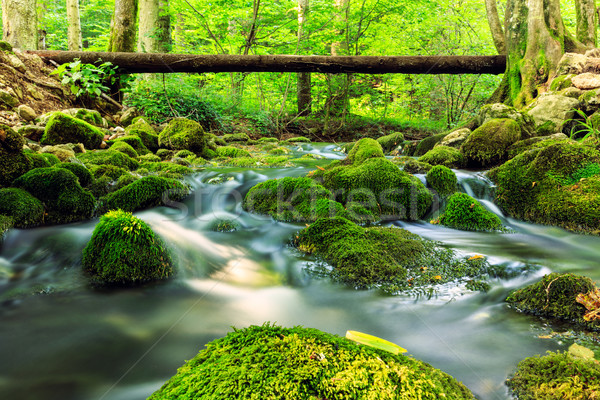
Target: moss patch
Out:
[25,210]
[62,128]
[442,180]
[425,145]
[236,137]
[183,134]
[147,192]
[13,162]
[232,152]
[465,213]
[124,148]
[391,141]
[83,174]
[488,144]
[142,129]
[108,157]
[446,156]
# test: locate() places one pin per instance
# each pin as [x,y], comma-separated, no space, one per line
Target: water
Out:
[69,341]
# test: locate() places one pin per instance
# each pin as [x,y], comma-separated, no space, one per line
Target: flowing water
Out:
[70,341]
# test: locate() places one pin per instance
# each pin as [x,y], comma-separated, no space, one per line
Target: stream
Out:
[72,342]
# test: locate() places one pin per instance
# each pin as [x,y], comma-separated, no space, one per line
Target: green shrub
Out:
[25,210]
[62,128]
[124,250]
[442,180]
[147,192]
[465,213]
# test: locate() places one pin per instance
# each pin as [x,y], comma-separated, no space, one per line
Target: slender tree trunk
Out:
[74,31]
[304,82]
[19,23]
[122,26]
[338,103]
[586,22]
[495,26]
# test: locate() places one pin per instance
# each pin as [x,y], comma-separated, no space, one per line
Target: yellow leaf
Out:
[375,342]
[476,257]
[438,277]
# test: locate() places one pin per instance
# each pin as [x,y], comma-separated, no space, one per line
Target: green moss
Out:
[298,139]
[62,128]
[37,160]
[149,158]
[124,148]
[25,210]
[184,154]
[532,144]
[167,167]
[267,140]
[411,165]
[110,171]
[124,250]
[442,180]
[232,152]
[108,157]
[6,223]
[465,213]
[555,376]
[134,141]
[183,134]
[147,192]
[81,172]
[13,162]
[391,141]
[364,149]
[488,144]
[278,151]
[444,155]
[51,158]
[165,154]
[90,116]
[224,225]
[142,129]
[236,137]
[425,145]
[561,82]
[60,191]
[271,362]
[554,296]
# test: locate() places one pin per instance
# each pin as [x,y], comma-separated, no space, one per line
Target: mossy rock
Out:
[538,142]
[425,145]
[134,141]
[555,376]
[443,155]
[83,174]
[412,166]
[224,225]
[363,149]
[232,152]
[62,128]
[298,139]
[37,160]
[108,157]
[51,158]
[107,170]
[465,213]
[555,296]
[271,362]
[142,129]
[267,140]
[124,250]
[25,210]
[149,158]
[391,141]
[166,167]
[147,192]
[236,137]
[487,145]
[92,117]
[442,180]
[13,161]
[554,185]
[60,191]
[183,134]
[124,148]
[165,154]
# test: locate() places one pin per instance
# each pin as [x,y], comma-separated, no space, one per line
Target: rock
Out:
[581,352]
[32,132]
[92,117]
[537,142]
[571,63]
[444,155]
[465,213]
[62,128]
[128,115]
[550,113]
[562,82]
[25,210]
[124,250]
[390,142]
[25,112]
[455,138]
[142,129]
[5,46]
[135,142]
[236,137]
[572,92]
[183,134]
[146,192]
[442,180]
[13,162]
[63,152]
[487,145]
[425,145]
[586,81]
[81,172]
[110,157]
[8,99]
[499,110]
[590,100]
[16,62]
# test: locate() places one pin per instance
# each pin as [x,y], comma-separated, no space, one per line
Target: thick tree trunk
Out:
[304,97]
[586,22]
[122,26]
[166,63]
[74,30]
[19,23]
[495,26]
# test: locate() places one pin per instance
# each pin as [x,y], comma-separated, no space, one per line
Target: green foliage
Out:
[147,192]
[89,79]
[442,180]
[124,250]
[465,213]
[269,362]
[586,127]
[62,128]
[25,210]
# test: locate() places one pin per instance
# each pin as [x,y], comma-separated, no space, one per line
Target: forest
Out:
[283,221]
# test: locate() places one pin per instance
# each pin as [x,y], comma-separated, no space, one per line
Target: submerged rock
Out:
[271,362]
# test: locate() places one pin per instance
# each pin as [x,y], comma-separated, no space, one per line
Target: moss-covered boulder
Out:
[442,180]
[142,129]
[60,191]
[37,160]
[134,141]
[25,210]
[232,152]
[271,362]
[412,166]
[61,152]
[455,138]
[533,143]
[425,145]
[236,137]
[183,134]
[83,174]
[391,141]
[555,296]
[62,128]
[487,145]
[124,148]
[90,116]
[556,376]
[13,162]
[498,110]
[147,192]
[124,250]
[364,149]
[446,156]
[555,185]
[108,157]
[465,213]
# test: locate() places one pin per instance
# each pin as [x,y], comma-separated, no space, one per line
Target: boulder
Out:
[498,110]
[487,145]
[13,162]
[551,111]
[183,134]
[455,138]
[128,115]
[571,63]
[62,128]
[32,132]
[391,141]
[586,81]
[25,112]
[442,180]
[62,151]
[25,210]
[465,213]
[92,117]
[147,192]
[444,155]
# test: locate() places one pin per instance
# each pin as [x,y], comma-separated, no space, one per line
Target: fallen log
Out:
[169,63]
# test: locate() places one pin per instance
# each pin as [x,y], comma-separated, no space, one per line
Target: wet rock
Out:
[25,112]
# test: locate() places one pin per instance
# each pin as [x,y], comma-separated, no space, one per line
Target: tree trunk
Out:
[19,23]
[148,17]
[304,81]
[74,30]
[163,27]
[495,26]
[338,103]
[122,26]
[586,22]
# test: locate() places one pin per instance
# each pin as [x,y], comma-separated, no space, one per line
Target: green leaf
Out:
[375,342]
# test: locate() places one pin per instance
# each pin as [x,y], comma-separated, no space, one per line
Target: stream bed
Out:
[69,341]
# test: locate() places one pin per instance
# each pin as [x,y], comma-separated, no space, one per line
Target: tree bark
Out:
[166,63]
[304,97]
[148,17]
[122,26]
[586,22]
[495,26]
[74,30]
[19,23]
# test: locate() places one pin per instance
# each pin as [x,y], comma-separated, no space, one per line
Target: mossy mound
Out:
[133,141]
[487,145]
[147,192]
[51,158]
[142,129]
[37,160]
[25,210]
[183,134]
[232,152]
[271,362]
[391,141]
[108,157]
[298,139]
[554,296]
[391,259]
[165,167]
[442,180]
[59,189]
[446,156]
[83,174]
[13,161]
[236,137]
[224,225]
[425,145]
[412,166]
[538,142]
[555,185]
[124,250]
[465,213]
[90,116]
[556,376]
[62,128]
[362,150]
[267,140]
[125,148]
[107,170]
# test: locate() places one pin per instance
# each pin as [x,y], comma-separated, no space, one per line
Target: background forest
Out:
[269,101]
